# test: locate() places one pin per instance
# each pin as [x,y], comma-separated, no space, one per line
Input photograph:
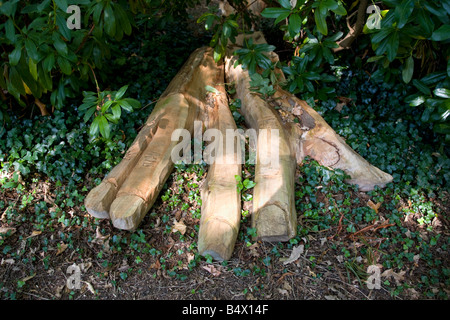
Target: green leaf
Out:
[212,89]
[441,34]
[415,100]
[61,22]
[374,58]
[59,44]
[65,65]
[295,24]
[433,77]
[8,8]
[425,21]
[87,105]
[33,69]
[94,129]
[119,94]
[135,104]
[104,127]
[274,13]
[107,105]
[321,23]
[408,69]
[379,36]
[89,114]
[285,4]
[442,92]
[116,111]
[340,10]
[14,56]
[403,12]
[10,31]
[125,105]
[123,19]
[62,4]
[422,87]
[31,48]
[393,44]
[49,62]
[42,6]
[448,67]
[443,128]
[16,81]
[109,20]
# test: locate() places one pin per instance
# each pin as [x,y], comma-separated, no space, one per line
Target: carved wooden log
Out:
[312,136]
[274,215]
[130,189]
[221,203]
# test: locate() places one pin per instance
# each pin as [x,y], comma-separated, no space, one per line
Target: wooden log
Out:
[129,190]
[221,203]
[274,215]
[313,137]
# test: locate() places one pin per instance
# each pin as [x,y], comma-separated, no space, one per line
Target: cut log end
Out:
[217,238]
[272,224]
[127,211]
[98,201]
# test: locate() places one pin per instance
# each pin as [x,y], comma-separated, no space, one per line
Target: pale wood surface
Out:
[221,203]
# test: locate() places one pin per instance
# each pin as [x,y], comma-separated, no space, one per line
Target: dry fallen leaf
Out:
[179,226]
[61,249]
[28,278]
[90,287]
[211,269]
[283,292]
[34,234]
[295,254]
[5,230]
[374,206]
[397,276]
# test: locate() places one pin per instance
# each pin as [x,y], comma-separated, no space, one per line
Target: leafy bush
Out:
[408,41]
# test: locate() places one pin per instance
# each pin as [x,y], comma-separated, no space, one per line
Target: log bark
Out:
[130,189]
[221,202]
